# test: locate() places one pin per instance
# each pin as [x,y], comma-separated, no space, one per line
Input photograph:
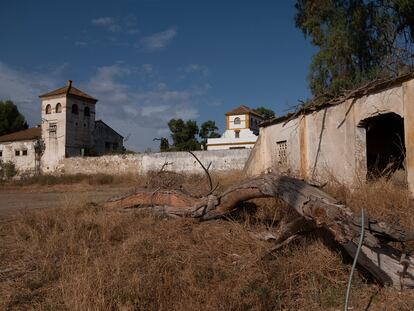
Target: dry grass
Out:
[80,257]
[383,199]
[50,180]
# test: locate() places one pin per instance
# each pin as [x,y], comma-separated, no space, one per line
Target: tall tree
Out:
[266,113]
[358,40]
[208,130]
[11,120]
[184,134]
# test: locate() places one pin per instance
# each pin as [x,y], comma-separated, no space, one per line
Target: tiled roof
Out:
[69,90]
[242,110]
[29,134]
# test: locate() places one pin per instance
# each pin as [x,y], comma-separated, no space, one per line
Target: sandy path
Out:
[14,200]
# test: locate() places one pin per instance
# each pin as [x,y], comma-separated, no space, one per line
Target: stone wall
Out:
[221,160]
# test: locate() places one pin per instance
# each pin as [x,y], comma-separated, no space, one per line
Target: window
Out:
[75,109]
[237,134]
[282,152]
[52,129]
[24,152]
[1,153]
[58,108]
[17,152]
[86,112]
[48,109]
[237,120]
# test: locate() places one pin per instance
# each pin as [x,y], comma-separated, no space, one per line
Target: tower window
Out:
[58,108]
[75,109]
[86,112]
[237,134]
[237,120]
[1,153]
[52,129]
[48,109]
[17,152]
[24,152]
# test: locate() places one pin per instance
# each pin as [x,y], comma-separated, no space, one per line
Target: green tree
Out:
[164,144]
[208,130]
[358,40]
[265,112]
[11,120]
[184,134]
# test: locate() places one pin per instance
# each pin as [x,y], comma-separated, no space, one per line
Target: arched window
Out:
[237,120]
[86,112]
[48,109]
[75,109]
[58,108]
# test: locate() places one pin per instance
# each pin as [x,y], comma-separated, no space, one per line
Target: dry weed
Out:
[81,257]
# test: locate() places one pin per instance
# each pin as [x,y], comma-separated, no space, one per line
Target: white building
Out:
[242,128]
[68,129]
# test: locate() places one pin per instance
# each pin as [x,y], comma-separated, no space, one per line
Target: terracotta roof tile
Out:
[242,110]
[70,90]
[29,134]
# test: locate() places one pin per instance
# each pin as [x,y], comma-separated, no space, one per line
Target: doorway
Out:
[385,144]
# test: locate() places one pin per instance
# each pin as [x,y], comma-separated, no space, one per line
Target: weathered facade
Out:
[181,162]
[350,140]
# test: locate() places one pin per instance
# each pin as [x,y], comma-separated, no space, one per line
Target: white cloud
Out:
[147,68]
[81,43]
[128,24]
[107,22]
[133,31]
[103,21]
[196,68]
[23,88]
[158,41]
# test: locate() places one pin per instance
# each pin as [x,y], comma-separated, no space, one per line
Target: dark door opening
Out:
[385,144]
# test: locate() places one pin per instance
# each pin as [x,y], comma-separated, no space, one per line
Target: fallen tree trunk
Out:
[386,264]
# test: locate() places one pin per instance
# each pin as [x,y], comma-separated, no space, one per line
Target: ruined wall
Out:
[330,143]
[222,160]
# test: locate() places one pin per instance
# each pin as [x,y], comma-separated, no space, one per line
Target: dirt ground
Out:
[14,199]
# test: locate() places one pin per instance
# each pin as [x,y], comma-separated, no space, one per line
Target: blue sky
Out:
[148,61]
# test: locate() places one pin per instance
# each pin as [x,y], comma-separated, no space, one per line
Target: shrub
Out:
[7,169]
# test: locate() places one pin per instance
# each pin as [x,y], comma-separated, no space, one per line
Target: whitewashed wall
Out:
[329,143]
[221,160]
[23,163]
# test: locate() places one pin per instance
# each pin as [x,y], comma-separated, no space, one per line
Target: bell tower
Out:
[68,121]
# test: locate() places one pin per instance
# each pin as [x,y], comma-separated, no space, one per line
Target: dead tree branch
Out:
[316,209]
[210,183]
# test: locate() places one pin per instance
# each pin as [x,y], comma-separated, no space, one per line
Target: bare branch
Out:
[210,183]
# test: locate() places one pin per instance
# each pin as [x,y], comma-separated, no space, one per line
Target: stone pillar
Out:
[303,141]
[408,100]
